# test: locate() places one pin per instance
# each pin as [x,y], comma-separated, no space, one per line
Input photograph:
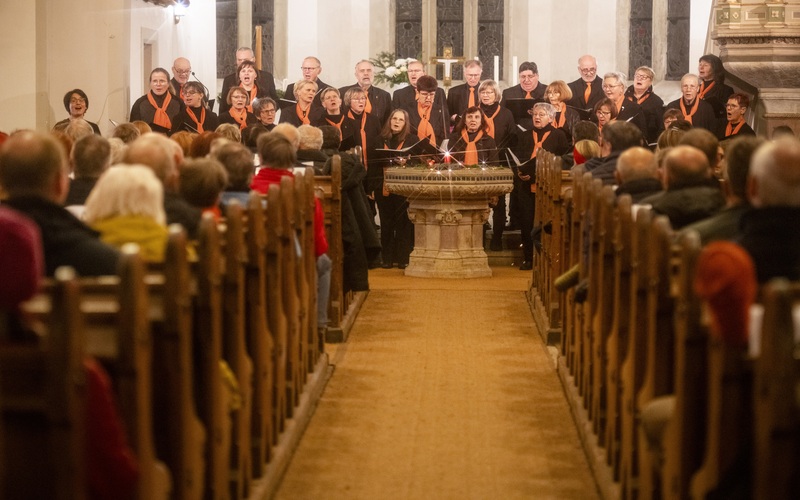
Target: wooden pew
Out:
[315,342]
[590,272]
[291,304]
[776,378]
[43,403]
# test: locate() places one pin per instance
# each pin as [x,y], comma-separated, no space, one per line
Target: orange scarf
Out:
[363,134]
[619,104]
[490,122]
[303,115]
[561,115]
[528,95]
[644,97]
[336,124]
[537,144]
[471,101]
[161,117]
[587,93]
[705,90]
[253,95]
[240,117]
[471,152]
[198,123]
[368,106]
[688,117]
[425,129]
[730,130]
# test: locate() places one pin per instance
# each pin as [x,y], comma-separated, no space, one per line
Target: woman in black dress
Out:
[195,116]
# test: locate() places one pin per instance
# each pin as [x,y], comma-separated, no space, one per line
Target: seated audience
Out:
[585,150]
[582,130]
[142,127]
[688,195]
[238,163]
[184,139]
[33,173]
[77,128]
[725,225]
[127,206]
[21,265]
[615,138]
[90,157]
[309,151]
[637,174]
[670,137]
[127,132]
[771,231]
[118,149]
[202,181]
[76,102]
[201,144]
[706,142]
[230,131]
[251,134]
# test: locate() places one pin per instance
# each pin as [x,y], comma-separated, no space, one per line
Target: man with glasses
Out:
[641,92]
[464,96]
[311,69]
[264,78]
[694,110]
[427,119]
[406,98]
[379,102]
[628,111]
[588,89]
[529,86]
[181,70]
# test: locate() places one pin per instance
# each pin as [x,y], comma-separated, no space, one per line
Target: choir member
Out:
[265,109]
[237,113]
[397,230]
[248,80]
[333,116]
[464,96]
[406,97]
[629,111]
[367,127]
[588,89]
[641,92]
[559,93]
[712,84]
[694,110]
[427,120]
[302,112]
[181,69]
[195,116]
[379,102]
[529,86]
[735,125]
[265,78]
[470,142]
[311,69]
[76,103]
[157,107]
[604,112]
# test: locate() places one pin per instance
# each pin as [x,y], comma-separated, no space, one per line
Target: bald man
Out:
[637,174]
[588,89]
[181,71]
[34,174]
[690,193]
[771,231]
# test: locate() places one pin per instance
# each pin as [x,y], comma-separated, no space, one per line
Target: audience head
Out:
[126,190]
[585,129]
[775,174]
[310,137]
[118,149]
[587,67]
[288,131]
[251,134]
[528,76]
[706,142]
[183,139]
[76,103]
[201,144]
[669,138]
[21,258]
[671,116]
[142,127]
[229,131]
[634,164]
[585,150]
[202,180]
[238,163]
[685,166]
[32,163]
[276,151]
[154,151]
[127,132]
[90,157]
[78,128]
[619,136]
[331,137]
[739,154]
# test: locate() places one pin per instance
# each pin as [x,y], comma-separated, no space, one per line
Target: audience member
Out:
[118,149]
[229,131]
[583,130]
[90,157]
[309,151]
[615,138]
[184,139]
[127,132]
[670,137]
[202,181]
[21,265]
[33,172]
[585,150]
[637,174]
[706,142]
[201,145]
[238,163]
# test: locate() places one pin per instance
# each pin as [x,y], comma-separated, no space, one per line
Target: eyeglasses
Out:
[427,95]
[182,71]
[641,77]
[609,87]
[486,92]
[190,92]
[588,70]
[77,100]
[269,111]
[527,77]
[604,113]
[361,98]
[729,106]
[309,68]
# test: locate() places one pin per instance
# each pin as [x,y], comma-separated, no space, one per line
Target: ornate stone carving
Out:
[448,216]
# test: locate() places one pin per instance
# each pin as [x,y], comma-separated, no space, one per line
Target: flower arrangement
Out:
[390,69]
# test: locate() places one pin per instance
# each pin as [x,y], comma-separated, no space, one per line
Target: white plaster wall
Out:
[18,76]
[699,20]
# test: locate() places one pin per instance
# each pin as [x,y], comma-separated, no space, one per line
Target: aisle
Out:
[444,390]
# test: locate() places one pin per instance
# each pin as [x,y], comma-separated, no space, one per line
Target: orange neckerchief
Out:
[368,106]
[471,151]
[562,115]
[240,117]
[161,117]
[471,101]
[336,124]
[490,122]
[528,95]
[640,100]
[619,104]
[688,117]
[303,115]
[363,134]
[730,130]
[587,93]
[425,129]
[537,144]
[253,95]
[704,90]
[197,122]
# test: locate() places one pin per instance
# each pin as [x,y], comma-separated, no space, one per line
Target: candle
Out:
[496,68]
[514,70]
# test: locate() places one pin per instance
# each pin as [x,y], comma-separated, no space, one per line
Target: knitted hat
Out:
[21,261]
[726,279]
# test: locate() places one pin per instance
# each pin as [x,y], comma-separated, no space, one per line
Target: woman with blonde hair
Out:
[302,113]
[558,93]
[127,206]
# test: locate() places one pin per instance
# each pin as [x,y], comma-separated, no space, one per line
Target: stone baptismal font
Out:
[448,207]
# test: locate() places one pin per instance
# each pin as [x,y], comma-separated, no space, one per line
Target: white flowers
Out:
[390,69]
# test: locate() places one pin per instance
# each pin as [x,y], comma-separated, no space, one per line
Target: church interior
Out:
[631,360]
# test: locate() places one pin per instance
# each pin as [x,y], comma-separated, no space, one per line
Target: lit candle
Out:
[496,68]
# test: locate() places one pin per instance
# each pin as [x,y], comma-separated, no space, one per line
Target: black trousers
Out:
[397,230]
[527,207]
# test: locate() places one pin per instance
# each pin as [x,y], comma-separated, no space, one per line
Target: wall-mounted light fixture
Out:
[179,10]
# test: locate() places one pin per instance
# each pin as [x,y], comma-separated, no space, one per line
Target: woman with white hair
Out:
[127,206]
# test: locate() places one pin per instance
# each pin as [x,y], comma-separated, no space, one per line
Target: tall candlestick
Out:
[496,68]
[514,77]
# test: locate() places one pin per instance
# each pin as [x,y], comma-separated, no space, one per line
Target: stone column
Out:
[760,43]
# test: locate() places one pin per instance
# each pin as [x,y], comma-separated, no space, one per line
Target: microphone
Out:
[203,84]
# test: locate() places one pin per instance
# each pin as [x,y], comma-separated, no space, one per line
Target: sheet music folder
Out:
[520,108]
[422,151]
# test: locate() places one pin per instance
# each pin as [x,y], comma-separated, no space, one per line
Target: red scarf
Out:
[688,117]
[425,129]
[161,117]
[471,151]
[730,130]
[240,117]
[198,123]
[303,115]
[537,144]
